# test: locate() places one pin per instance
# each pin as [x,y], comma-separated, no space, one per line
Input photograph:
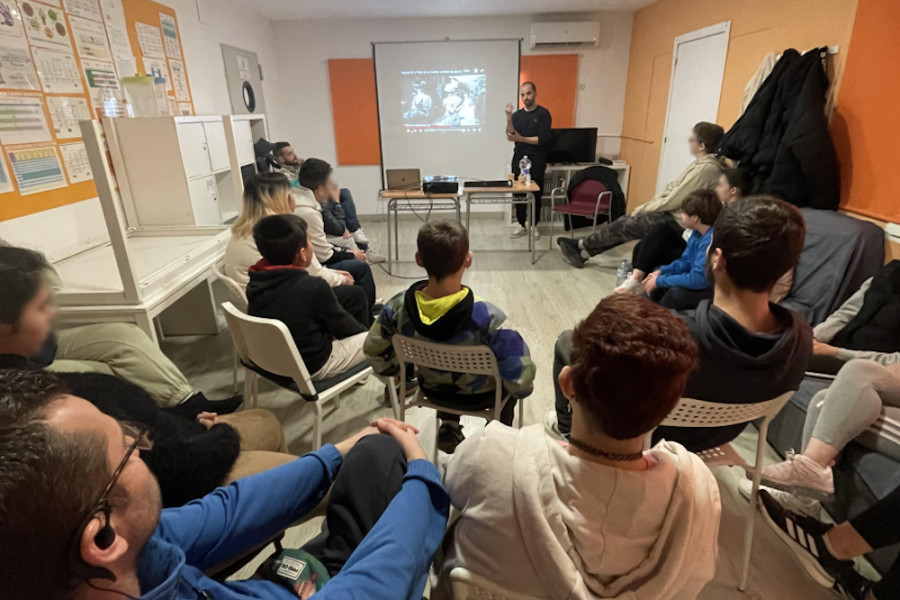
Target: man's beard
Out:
[528,103]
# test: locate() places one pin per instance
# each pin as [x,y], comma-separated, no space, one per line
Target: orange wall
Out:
[757,28]
[556,77]
[867,120]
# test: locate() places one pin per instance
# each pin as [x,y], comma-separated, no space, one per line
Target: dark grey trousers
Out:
[627,228]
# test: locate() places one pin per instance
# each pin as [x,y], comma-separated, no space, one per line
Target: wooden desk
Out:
[413,201]
[503,195]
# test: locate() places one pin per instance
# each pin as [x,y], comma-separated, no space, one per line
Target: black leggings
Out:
[879,525]
[679,298]
[662,246]
[370,476]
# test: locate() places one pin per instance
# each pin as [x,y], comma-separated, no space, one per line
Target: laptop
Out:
[403,179]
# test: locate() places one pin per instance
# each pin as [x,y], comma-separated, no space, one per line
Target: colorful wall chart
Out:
[59,61]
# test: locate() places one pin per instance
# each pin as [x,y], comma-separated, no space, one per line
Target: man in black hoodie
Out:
[749,349]
[329,335]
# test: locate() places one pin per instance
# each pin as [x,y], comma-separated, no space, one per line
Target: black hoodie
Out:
[740,367]
[304,303]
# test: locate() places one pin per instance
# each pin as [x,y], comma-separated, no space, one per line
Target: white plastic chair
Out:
[267,345]
[698,413]
[239,298]
[469,360]
[469,586]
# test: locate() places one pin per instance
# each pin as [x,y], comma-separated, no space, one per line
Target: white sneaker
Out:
[373,257]
[535,234]
[798,504]
[551,425]
[518,232]
[359,236]
[630,286]
[801,476]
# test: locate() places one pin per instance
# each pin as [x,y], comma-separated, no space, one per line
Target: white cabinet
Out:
[173,170]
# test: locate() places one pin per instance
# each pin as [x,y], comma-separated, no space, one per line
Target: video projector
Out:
[440,184]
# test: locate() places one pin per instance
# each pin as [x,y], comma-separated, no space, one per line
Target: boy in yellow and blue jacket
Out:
[443,310]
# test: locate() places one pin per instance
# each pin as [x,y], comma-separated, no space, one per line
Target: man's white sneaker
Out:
[518,232]
[804,506]
[359,236]
[373,257]
[800,476]
[630,286]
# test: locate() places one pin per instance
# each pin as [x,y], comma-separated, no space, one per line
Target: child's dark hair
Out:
[280,237]
[737,179]
[22,272]
[314,173]
[709,134]
[443,246]
[761,238]
[703,204]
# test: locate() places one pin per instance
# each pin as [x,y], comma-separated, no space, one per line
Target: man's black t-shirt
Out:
[537,122]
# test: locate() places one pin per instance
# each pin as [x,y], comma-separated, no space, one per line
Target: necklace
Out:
[616,456]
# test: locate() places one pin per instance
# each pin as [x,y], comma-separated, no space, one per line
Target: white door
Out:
[194,150]
[698,66]
[205,201]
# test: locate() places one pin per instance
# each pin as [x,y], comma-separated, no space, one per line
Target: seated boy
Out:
[342,225]
[328,337]
[313,192]
[681,284]
[750,349]
[443,310]
[600,517]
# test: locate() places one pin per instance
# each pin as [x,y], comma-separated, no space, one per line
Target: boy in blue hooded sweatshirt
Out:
[441,309]
[682,283]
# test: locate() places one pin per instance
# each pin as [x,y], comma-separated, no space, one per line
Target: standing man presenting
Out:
[529,128]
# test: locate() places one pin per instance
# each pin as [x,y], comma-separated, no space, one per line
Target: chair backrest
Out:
[236,292]
[268,344]
[473,360]
[588,191]
[699,413]
[469,586]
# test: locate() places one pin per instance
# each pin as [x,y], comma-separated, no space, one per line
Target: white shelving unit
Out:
[241,133]
[173,170]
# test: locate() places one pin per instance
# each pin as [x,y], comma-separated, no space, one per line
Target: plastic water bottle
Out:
[622,272]
[525,169]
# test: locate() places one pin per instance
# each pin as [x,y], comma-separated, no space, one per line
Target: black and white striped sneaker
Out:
[803,535]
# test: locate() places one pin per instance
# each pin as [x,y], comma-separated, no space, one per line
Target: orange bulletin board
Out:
[556,78]
[60,60]
[355,111]
[866,120]
[354,104]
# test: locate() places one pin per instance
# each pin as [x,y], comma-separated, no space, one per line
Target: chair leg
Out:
[550,236]
[317,427]
[395,403]
[594,226]
[751,509]
[337,401]
[437,430]
[234,371]
[250,388]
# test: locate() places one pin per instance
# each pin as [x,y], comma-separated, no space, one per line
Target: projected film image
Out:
[443,100]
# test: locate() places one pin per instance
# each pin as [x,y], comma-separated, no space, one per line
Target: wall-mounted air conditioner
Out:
[576,33]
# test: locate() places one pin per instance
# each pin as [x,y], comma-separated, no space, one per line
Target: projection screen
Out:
[441,106]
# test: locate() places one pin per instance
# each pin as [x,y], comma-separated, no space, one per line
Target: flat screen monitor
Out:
[577,145]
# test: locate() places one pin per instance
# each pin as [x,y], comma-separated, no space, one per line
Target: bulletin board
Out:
[59,60]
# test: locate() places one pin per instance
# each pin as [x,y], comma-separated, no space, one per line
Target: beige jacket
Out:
[541,522]
[311,212]
[703,173]
[241,254]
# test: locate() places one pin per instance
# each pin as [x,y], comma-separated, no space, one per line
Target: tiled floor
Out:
[540,300]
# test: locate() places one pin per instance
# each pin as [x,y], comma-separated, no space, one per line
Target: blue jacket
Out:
[689,271]
[390,564]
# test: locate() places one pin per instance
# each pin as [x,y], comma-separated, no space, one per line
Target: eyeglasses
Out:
[139,441]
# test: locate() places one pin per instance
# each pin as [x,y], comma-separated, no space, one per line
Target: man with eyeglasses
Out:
[80,512]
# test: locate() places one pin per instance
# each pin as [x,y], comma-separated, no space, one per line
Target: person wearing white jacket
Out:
[599,517]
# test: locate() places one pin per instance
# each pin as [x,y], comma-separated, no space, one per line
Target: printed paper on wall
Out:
[36,169]
[65,113]
[75,159]
[22,120]
[58,71]
[90,39]
[149,40]
[45,25]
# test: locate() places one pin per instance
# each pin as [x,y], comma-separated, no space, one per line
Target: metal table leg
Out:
[390,261]
[531,245]
[397,233]
[468,211]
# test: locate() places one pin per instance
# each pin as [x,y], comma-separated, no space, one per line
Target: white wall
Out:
[300,108]
[63,231]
